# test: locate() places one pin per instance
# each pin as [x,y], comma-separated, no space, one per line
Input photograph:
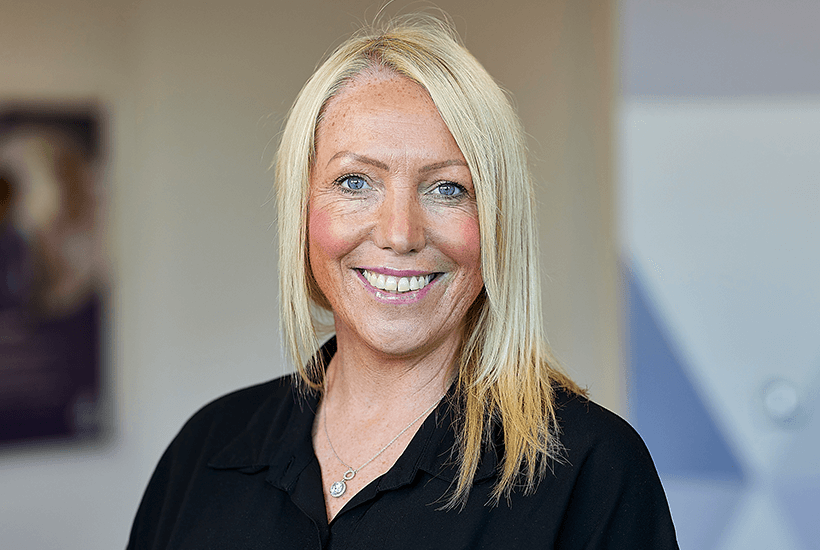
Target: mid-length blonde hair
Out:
[506,371]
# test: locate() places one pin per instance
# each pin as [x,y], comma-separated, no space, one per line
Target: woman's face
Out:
[393,230]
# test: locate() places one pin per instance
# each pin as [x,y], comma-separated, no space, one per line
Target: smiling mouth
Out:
[398,285]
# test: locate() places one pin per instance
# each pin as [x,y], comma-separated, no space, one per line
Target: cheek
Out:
[465,244]
[327,238]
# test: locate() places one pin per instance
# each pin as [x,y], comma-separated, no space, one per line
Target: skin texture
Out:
[389,190]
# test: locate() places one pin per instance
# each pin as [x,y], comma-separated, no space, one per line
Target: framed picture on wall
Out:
[52,275]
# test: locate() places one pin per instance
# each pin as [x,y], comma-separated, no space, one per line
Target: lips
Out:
[397,284]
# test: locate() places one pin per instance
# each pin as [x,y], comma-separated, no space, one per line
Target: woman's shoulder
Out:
[241,404]
[587,426]
[596,439]
[219,422]
[233,431]
[617,496]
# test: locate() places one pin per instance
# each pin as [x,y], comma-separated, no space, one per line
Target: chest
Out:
[353,463]
[251,512]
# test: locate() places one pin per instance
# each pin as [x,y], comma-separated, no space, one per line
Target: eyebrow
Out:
[444,164]
[383,166]
[359,158]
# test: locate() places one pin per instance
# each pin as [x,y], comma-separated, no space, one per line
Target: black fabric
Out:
[242,474]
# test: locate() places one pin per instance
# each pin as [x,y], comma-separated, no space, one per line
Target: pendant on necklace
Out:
[339,488]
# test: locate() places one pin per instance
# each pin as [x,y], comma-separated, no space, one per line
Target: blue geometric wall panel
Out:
[665,407]
[701,510]
[801,501]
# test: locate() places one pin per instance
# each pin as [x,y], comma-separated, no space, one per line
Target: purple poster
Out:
[51,271]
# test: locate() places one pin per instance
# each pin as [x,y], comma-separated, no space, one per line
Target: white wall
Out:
[196,93]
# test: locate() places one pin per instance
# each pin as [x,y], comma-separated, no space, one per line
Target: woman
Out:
[436,417]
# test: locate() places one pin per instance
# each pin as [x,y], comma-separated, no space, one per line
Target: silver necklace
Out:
[338,488]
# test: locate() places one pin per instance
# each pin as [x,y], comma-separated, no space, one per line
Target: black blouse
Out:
[242,474]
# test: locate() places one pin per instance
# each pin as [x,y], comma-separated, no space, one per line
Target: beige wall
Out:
[196,93]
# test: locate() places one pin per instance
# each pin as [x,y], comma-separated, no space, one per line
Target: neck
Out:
[368,381]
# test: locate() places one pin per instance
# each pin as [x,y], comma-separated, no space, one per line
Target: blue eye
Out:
[354,183]
[449,189]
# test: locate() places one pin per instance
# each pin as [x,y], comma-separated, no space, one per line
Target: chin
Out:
[402,340]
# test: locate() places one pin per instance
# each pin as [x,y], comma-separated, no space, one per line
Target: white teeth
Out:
[397,284]
[391,284]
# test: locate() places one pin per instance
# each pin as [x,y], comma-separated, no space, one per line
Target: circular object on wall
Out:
[781,400]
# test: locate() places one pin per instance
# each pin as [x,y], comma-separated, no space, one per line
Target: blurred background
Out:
[717,135]
[676,147]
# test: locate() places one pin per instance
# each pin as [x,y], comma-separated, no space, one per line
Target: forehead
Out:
[376,87]
[386,117]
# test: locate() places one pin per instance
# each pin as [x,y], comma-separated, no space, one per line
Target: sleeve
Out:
[146,526]
[156,516]
[617,500]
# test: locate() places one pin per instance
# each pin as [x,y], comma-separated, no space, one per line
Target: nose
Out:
[400,222]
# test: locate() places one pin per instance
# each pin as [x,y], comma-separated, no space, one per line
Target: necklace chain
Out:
[338,488]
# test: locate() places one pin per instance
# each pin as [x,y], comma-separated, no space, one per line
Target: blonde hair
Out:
[506,371]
